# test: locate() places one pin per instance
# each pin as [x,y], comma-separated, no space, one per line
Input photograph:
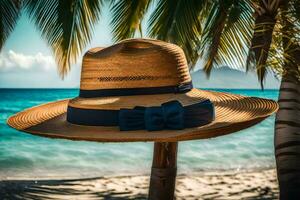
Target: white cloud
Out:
[13,62]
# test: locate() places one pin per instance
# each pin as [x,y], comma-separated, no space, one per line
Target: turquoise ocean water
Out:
[27,156]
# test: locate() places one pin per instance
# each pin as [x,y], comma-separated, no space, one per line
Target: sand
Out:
[250,185]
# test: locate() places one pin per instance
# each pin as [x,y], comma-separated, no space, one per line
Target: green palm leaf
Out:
[9,14]
[295,9]
[261,42]
[227,34]
[213,29]
[66,26]
[127,17]
[290,33]
[260,45]
[178,22]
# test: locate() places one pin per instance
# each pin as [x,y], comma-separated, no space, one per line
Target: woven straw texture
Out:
[233,113]
[140,63]
[134,63]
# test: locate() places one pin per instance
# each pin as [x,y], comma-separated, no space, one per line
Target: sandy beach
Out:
[257,184]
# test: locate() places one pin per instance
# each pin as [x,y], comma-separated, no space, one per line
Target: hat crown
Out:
[134,63]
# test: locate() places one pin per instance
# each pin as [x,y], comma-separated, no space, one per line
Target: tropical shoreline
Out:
[38,167]
[132,174]
[249,184]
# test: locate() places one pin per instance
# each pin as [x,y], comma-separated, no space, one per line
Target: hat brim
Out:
[232,113]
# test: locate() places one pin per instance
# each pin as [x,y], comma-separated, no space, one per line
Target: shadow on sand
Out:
[60,189]
[97,188]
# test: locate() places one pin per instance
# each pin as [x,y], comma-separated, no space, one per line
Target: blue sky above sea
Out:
[27,62]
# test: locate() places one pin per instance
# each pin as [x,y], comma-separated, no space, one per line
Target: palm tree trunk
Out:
[287,128]
[287,140]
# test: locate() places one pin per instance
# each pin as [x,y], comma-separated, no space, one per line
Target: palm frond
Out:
[294,10]
[9,15]
[260,45]
[296,5]
[213,29]
[66,25]
[262,40]
[291,44]
[227,34]
[127,17]
[283,55]
[178,22]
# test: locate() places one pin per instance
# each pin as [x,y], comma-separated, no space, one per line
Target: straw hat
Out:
[141,90]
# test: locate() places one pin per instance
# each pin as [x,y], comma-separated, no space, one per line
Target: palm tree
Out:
[257,34]
[287,129]
[275,44]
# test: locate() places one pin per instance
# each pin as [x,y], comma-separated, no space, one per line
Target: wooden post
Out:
[163,173]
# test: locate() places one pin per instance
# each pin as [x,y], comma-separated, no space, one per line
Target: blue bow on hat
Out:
[170,115]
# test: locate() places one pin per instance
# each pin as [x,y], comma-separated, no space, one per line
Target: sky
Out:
[27,62]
